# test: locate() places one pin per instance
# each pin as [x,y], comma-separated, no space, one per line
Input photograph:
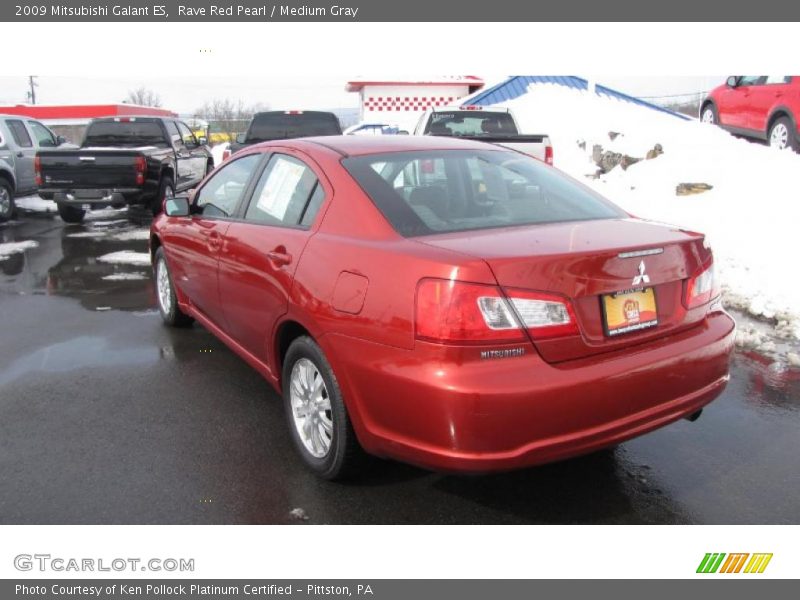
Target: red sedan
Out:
[447,303]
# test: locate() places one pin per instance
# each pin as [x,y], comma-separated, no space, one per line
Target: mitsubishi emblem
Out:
[642,277]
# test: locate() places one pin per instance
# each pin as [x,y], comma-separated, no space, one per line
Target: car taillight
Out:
[548,154]
[37,167]
[702,288]
[141,169]
[459,312]
[545,316]
[226,154]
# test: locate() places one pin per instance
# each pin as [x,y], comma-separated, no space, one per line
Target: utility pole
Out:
[33,85]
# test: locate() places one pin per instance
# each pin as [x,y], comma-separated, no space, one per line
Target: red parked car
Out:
[766,107]
[443,302]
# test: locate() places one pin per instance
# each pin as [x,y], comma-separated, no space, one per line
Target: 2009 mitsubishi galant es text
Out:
[443,302]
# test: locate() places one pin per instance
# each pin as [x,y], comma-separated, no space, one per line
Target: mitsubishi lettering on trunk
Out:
[444,302]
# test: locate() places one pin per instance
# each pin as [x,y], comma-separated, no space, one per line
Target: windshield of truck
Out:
[471,123]
[281,126]
[124,133]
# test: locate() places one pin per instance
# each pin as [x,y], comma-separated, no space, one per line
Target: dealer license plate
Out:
[629,311]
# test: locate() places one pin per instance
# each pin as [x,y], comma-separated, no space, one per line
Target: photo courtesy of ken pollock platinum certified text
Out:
[194,589]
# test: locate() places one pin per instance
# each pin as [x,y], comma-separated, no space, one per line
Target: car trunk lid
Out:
[584,261]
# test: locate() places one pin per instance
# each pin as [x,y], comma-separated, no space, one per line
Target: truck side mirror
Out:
[60,139]
[240,138]
[202,140]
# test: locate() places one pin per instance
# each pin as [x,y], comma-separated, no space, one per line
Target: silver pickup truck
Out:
[491,125]
[20,139]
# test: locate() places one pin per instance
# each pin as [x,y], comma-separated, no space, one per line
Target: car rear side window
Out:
[221,194]
[422,193]
[19,133]
[287,194]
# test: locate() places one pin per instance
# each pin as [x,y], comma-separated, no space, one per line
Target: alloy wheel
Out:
[779,137]
[311,408]
[163,286]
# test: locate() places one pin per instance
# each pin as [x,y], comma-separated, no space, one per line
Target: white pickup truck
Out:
[491,125]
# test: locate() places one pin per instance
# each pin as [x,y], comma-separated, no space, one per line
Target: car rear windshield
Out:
[281,126]
[124,133]
[423,193]
[470,122]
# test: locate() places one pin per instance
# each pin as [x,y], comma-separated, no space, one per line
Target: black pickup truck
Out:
[123,160]
[284,125]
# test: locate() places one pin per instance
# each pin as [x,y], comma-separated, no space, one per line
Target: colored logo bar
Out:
[716,562]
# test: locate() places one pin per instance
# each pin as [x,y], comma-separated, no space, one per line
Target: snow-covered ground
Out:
[750,216]
[126,257]
[10,248]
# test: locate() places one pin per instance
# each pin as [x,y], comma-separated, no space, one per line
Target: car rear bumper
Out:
[447,409]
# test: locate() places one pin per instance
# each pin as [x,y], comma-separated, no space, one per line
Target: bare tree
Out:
[228,117]
[143,97]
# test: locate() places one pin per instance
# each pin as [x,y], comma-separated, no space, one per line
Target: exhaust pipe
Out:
[694,416]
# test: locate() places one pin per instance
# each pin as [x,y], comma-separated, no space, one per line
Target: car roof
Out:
[355,145]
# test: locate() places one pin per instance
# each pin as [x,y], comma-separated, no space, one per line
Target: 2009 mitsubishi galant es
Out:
[443,302]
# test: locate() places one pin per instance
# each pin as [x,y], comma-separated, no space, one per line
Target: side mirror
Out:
[240,138]
[202,140]
[60,139]
[177,206]
[732,81]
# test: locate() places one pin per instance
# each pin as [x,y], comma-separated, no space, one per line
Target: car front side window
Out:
[221,194]
[44,137]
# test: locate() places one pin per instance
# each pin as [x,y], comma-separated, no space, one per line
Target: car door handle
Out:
[280,257]
[20,154]
[214,240]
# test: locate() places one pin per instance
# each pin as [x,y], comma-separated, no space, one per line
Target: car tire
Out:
[7,207]
[166,298]
[166,189]
[316,414]
[709,115]
[71,214]
[782,135]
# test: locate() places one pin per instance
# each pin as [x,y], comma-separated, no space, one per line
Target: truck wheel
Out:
[318,420]
[782,135]
[165,190]
[171,313]
[7,207]
[70,214]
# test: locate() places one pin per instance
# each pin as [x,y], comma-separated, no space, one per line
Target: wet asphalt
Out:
[106,416]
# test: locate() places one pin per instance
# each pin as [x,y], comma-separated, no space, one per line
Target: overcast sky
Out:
[185,94]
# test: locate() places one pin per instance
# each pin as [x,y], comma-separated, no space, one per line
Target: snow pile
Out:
[126,277]
[36,204]
[217,151]
[126,257]
[750,216]
[10,248]
[134,234]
